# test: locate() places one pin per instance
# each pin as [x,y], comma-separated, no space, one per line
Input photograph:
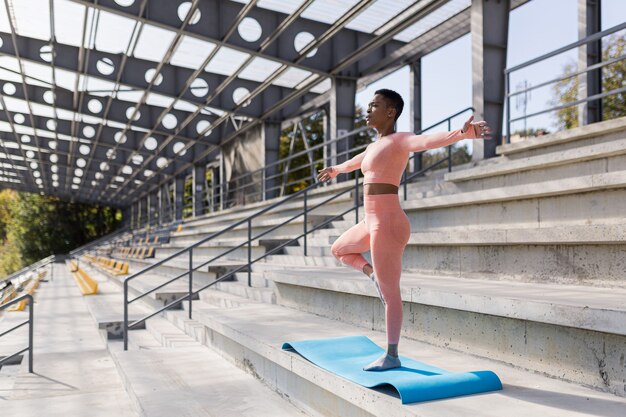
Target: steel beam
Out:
[590,83]
[490,26]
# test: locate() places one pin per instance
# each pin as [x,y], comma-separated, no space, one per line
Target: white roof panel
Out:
[282,6]
[259,69]
[226,61]
[433,19]
[378,14]
[191,52]
[328,11]
[292,77]
[32,18]
[69,18]
[153,43]
[114,33]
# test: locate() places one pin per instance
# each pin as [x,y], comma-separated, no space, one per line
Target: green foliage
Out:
[460,156]
[613,77]
[300,174]
[34,226]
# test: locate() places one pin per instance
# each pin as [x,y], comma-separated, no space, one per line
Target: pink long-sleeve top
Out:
[384,160]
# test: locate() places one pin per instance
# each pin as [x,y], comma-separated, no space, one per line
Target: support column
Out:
[271,141]
[415,84]
[198,189]
[138,214]
[179,190]
[489,29]
[215,181]
[132,215]
[589,83]
[159,205]
[127,215]
[166,204]
[147,211]
[341,115]
[154,208]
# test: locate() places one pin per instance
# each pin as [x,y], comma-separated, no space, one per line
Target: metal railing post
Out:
[305,222]
[449,147]
[125,314]
[249,252]
[190,278]
[31,323]
[507,96]
[263,185]
[356,198]
[404,183]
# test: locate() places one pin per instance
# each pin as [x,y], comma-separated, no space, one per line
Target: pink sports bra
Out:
[384,160]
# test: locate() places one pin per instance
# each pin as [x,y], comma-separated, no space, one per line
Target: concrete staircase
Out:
[515,264]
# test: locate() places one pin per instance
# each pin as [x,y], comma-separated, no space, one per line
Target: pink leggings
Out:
[385,231]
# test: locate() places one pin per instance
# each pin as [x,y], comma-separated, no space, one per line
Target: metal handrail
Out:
[247,177]
[88,246]
[248,220]
[39,264]
[30,321]
[507,77]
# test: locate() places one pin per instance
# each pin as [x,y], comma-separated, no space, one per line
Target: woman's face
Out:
[378,112]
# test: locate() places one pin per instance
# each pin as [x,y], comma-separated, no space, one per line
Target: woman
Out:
[385,230]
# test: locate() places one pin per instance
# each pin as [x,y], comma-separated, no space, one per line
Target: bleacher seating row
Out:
[136,252]
[112,266]
[28,287]
[150,240]
[86,284]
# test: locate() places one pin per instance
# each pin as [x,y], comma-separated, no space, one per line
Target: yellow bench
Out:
[112,266]
[30,289]
[121,268]
[8,295]
[86,284]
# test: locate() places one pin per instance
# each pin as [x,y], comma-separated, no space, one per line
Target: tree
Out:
[613,77]
[460,156]
[34,226]
[299,175]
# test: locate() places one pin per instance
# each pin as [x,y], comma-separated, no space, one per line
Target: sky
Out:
[536,28]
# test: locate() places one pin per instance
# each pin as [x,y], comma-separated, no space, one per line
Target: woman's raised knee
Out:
[336,250]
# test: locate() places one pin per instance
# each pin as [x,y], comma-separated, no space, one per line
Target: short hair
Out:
[394,100]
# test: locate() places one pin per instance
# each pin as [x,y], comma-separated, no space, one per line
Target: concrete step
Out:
[107,310]
[575,333]
[298,260]
[292,228]
[195,382]
[585,200]
[251,334]
[590,254]
[589,159]
[8,376]
[151,280]
[206,253]
[311,250]
[596,133]
[264,295]
[259,224]
[235,214]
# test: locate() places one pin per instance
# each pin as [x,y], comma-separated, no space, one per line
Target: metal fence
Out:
[276,182]
[592,38]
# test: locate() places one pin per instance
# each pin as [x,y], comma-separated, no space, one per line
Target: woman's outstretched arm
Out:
[471,130]
[350,165]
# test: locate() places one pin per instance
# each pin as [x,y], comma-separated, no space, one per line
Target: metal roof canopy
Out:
[104,101]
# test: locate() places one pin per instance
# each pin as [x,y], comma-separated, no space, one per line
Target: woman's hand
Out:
[327,174]
[476,130]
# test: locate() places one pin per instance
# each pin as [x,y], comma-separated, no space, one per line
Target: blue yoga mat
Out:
[415,381]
